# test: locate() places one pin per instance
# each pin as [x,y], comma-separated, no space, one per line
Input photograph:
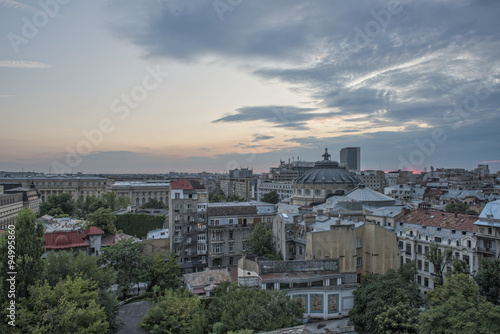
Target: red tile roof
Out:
[181,184]
[70,239]
[452,221]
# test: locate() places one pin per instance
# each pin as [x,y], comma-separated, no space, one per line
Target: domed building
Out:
[326,178]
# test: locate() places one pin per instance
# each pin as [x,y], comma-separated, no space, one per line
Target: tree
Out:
[104,219]
[401,318]
[114,202]
[271,197]
[488,279]
[63,264]
[58,204]
[219,196]
[125,259]
[234,308]
[24,248]
[456,307]
[164,273]
[87,205]
[439,259]
[460,208]
[68,307]
[391,294]
[260,242]
[153,204]
[176,312]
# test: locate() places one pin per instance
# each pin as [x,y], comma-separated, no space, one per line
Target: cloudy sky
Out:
[193,85]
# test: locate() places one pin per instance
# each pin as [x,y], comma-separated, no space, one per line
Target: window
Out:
[359,261]
[439,228]
[317,192]
[449,241]
[231,247]
[177,195]
[419,264]
[426,237]
[400,245]
[426,281]
[231,221]
[458,243]
[358,243]
[469,243]
[231,261]
[437,239]
[202,237]
[419,249]
[466,259]
[490,231]
[419,280]
[426,266]
[216,249]
[426,249]
[408,249]
[230,234]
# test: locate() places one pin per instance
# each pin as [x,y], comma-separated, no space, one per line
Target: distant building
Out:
[351,156]
[325,179]
[13,198]
[488,235]
[188,224]
[203,283]
[373,179]
[140,192]
[282,188]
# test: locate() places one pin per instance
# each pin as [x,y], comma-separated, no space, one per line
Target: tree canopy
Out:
[394,294]
[456,307]
[440,260]
[104,219]
[271,197]
[68,307]
[219,196]
[488,279]
[460,208]
[165,274]
[260,242]
[126,260]
[58,205]
[153,204]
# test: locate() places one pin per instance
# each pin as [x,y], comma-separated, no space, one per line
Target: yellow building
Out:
[364,249]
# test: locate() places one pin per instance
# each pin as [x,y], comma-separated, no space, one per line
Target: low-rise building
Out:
[140,192]
[204,282]
[324,291]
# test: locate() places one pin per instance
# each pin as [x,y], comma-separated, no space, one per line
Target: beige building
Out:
[13,199]
[141,192]
[366,249]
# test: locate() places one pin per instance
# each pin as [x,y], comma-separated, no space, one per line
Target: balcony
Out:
[490,251]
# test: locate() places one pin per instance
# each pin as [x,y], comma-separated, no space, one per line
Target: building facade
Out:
[188,224]
[282,188]
[488,234]
[140,192]
[351,156]
[228,226]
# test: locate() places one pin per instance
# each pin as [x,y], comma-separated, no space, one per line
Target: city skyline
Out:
[159,86]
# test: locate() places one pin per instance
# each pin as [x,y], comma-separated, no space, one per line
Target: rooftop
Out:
[461,222]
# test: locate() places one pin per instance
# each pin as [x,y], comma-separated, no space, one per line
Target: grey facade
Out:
[352,157]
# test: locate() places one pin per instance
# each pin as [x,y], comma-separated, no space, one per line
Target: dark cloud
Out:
[282,116]
[261,137]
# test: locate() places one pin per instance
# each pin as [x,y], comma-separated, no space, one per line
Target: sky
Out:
[153,86]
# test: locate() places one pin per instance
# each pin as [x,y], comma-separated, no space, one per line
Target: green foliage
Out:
[271,197]
[58,205]
[27,254]
[138,225]
[440,259]
[394,293]
[233,308]
[115,202]
[460,208]
[241,331]
[125,259]
[153,204]
[219,196]
[176,312]
[68,307]
[163,273]
[88,205]
[260,242]
[104,219]
[488,279]
[456,307]
[401,318]
[459,284]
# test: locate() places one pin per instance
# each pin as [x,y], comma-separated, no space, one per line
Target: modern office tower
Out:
[352,157]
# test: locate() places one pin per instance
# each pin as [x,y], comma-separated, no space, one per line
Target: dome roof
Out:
[61,240]
[369,196]
[326,172]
